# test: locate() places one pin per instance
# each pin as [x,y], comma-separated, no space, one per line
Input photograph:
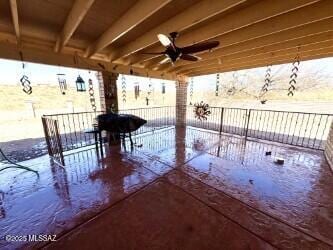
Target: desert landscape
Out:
[22,135]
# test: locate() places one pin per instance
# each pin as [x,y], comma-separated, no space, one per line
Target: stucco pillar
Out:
[181,101]
[329,147]
[108,91]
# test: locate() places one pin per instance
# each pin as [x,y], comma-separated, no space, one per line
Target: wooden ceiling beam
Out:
[325,39]
[139,12]
[262,62]
[12,52]
[295,33]
[270,57]
[253,66]
[237,31]
[264,57]
[186,19]
[14,11]
[74,18]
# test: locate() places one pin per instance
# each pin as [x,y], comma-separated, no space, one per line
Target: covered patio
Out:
[235,179]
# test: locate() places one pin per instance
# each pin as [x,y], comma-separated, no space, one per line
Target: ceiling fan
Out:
[173,53]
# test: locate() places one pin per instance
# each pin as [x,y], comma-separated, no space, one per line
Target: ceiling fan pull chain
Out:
[123,87]
[217,84]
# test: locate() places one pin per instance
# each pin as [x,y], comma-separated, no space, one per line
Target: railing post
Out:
[47,137]
[58,141]
[247,124]
[221,121]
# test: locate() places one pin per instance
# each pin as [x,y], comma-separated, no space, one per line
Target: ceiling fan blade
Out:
[165,60]
[199,47]
[189,57]
[164,40]
[152,53]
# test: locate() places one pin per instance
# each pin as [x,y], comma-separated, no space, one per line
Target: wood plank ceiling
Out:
[114,34]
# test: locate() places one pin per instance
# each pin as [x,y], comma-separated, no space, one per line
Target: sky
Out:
[11,72]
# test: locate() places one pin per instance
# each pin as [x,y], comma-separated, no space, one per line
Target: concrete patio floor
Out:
[178,189]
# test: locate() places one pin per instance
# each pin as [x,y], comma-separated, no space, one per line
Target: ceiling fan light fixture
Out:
[164,40]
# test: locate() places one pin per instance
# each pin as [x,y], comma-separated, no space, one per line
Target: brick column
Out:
[329,147]
[109,99]
[181,101]
[108,91]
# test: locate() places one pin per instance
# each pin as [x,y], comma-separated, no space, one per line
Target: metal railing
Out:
[308,130]
[73,126]
[303,129]
[157,117]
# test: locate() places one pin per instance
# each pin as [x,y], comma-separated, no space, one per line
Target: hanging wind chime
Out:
[62,83]
[264,89]
[136,90]
[123,87]
[217,86]
[163,88]
[149,92]
[25,82]
[191,90]
[92,94]
[293,75]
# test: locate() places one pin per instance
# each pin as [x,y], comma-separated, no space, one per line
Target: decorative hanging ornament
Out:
[217,84]
[123,87]
[136,90]
[92,94]
[191,90]
[163,88]
[293,75]
[62,83]
[25,82]
[80,84]
[268,81]
[201,111]
[149,92]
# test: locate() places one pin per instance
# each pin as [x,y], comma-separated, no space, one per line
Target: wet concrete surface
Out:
[177,189]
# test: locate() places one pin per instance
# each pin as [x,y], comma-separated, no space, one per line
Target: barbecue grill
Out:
[121,124]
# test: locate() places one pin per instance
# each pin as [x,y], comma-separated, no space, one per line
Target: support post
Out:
[181,101]
[329,147]
[108,91]
[109,98]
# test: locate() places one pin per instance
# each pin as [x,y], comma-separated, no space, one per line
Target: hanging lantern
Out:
[163,88]
[62,83]
[80,84]
[136,90]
